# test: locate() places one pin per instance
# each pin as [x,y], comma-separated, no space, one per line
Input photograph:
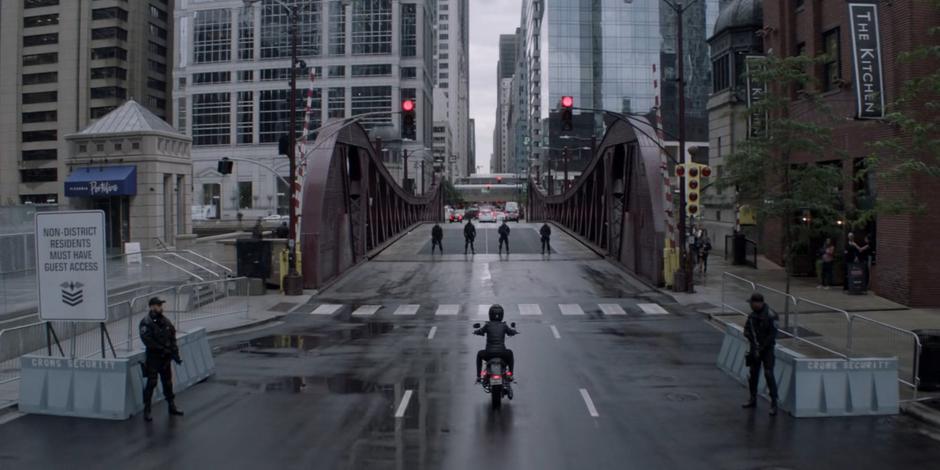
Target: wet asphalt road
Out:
[320,391]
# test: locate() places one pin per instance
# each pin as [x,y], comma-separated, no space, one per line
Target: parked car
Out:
[472,213]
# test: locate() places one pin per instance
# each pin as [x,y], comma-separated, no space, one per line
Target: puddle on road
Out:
[309,340]
[335,385]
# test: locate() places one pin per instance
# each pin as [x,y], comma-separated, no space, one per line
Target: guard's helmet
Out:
[496,312]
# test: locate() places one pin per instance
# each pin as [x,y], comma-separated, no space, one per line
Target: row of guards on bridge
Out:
[470,235]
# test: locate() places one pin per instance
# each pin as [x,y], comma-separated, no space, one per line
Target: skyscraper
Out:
[232,85]
[505,69]
[65,64]
[452,76]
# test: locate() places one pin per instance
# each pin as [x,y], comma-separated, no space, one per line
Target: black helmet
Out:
[496,312]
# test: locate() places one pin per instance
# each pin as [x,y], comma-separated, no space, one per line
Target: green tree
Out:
[452,197]
[803,198]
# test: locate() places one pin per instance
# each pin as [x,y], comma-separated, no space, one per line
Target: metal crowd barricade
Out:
[211,299]
[830,322]
[735,289]
[782,304]
[876,337]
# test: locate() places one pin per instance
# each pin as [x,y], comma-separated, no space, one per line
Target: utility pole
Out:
[404,179]
[564,156]
[293,281]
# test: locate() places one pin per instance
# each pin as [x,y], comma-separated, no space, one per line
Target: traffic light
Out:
[408,130]
[225,166]
[693,186]
[567,103]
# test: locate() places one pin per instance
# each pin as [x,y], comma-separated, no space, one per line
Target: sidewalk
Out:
[260,310]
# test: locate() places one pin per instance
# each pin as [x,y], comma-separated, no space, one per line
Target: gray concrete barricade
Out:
[105,388]
[810,387]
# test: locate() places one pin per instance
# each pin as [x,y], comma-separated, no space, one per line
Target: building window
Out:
[40,20]
[112,32]
[157,13]
[40,116]
[409,72]
[337,45]
[155,84]
[372,27]
[268,75]
[212,37]
[37,78]
[246,34]
[336,71]
[372,70]
[106,92]
[135,145]
[336,103]
[27,4]
[275,30]
[832,67]
[245,124]
[244,195]
[409,30]
[44,154]
[40,136]
[274,113]
[155,102]
[369,99]
[40,59]
[211,119]
[109,53]
[443,76]
[157,67]
[207,78]
[246,75]
[157,49]
[721,73]
[40,40]
[181,115]
[41,97]
[109,72]
[109,13]
[101,111]
[99,147]
[157,31]
[39,175]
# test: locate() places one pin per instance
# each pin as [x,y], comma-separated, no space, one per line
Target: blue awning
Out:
[102,181]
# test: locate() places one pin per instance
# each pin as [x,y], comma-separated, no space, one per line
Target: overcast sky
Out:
[488,19]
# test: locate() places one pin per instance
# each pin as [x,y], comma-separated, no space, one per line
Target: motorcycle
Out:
[496,379]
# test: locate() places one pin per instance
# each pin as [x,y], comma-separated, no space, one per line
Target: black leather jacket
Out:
[504,231]
[437,233]
[496,332]
[159,337]
[763,324]
[545,231]
[469,231]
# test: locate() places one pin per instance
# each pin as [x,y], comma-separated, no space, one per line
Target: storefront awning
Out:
[102,181]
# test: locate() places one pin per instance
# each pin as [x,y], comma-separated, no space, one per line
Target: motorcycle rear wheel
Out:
[496,394]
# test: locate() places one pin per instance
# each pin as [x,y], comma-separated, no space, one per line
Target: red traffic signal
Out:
[706,171]
[408,105]
[567,102]
[693,172]
[680,170]
[693,184]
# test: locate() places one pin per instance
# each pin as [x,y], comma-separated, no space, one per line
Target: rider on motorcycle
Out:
[495,331]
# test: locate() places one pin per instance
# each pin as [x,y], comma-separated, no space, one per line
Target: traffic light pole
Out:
[293,281]
[404,164]
[564,156]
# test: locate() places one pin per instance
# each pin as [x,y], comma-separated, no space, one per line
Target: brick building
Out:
[907,251]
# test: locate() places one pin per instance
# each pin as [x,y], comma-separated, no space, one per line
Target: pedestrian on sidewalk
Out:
[760,329]
[851,256]
[437,238]
[469,235]
[864,257]
[704,249]
[828,259]
[159,338]
[546,234]
[503,237]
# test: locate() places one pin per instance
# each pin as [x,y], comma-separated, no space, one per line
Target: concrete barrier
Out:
[809,387]
[105,388]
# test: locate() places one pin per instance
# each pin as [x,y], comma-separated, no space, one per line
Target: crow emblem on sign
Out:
[72,293]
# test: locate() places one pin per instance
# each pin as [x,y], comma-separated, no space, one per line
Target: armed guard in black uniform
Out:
[159,338]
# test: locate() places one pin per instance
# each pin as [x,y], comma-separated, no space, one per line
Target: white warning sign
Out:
[71,268]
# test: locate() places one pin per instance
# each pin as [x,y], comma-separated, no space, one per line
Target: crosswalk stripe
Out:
[612,309]
[448,309]
[483,310]
[652,309]
[530,309]
[571,309]
[367,310]
[409,309]
[326,309]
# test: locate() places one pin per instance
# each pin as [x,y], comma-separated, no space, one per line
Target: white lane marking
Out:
[652,309]
[590,403]
[432,332]
[555,332]
[483,310]
[612,309]
[326,309]
[400,413]
[410,309]
[366,310]
[448,309]
[571,309]
[530,309]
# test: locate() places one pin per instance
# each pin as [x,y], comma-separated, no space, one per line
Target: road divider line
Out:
[589,403]
[326,309]
[403,406]
[432,332]
[410,309]
[366,310]
[652,309]
[555,332]
[612,309]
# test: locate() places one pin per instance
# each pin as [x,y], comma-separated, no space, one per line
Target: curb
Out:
[922,413]
[246,326]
